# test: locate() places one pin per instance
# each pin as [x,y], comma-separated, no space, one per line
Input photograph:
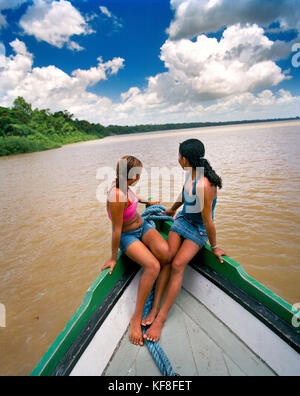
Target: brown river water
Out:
[55,235]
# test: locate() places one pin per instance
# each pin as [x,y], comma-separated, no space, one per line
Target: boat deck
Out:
[196,342]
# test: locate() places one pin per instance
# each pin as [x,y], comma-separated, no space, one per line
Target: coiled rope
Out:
[154,212]
[160,358]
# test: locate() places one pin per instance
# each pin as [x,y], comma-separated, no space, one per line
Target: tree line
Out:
[23,129]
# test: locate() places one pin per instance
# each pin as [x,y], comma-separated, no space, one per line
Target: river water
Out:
[55,235]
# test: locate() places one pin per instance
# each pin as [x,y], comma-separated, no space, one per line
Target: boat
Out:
[223,323]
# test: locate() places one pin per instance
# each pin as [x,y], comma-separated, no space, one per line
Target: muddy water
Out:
[54,233]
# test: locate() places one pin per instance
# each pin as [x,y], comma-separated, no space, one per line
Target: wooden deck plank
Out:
[196,343]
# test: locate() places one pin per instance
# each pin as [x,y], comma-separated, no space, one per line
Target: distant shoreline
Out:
[15,145]
[184,131]
[213,125]
[172,126]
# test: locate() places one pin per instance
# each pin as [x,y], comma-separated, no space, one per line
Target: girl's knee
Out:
[153,269]
[164,255]
[177,266]
[171,257]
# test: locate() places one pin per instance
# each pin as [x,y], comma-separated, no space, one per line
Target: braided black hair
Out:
[194,151]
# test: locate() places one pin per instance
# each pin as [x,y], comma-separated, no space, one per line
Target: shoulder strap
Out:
[195,185]
[187,178]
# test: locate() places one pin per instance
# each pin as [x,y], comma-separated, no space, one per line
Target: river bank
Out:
[13,145]
[24,130]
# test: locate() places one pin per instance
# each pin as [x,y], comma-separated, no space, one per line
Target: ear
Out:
[185,162]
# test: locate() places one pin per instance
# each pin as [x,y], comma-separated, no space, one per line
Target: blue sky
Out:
[129,62]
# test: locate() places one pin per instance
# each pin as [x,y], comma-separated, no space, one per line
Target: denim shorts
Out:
[190,230]
[128,238]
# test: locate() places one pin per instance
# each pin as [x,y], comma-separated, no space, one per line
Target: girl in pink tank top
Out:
[135,237]
[130,212]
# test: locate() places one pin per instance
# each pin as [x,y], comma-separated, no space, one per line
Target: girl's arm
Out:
[208,221]
[146,201]
[116,210]
[179,202]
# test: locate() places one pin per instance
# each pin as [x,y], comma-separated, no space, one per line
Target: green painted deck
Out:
[196,342]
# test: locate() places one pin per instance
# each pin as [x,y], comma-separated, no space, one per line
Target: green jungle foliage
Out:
[24,130]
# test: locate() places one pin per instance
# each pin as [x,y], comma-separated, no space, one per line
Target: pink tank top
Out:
[130,211]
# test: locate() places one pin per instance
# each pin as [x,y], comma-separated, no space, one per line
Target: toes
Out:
[137,341]
[149,337]
[146,322]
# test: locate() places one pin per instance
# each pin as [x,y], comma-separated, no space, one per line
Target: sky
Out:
[129,62]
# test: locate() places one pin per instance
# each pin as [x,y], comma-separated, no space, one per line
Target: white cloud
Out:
[50,87]
[141,108]
[206,79]
[196,74]
[92,76]
[115,20]
[54,22]
[16,68]
[3,22]
[194,17]
[2,56]
[73,46]
[207,69]
[105,11]
[6,5]
[263,105]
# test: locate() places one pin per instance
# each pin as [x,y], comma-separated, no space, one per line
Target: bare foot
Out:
[136,334]
[154,331]
[150,318]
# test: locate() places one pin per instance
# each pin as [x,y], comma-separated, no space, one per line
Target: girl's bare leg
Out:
[185,254]
[140,254]
[165,252]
